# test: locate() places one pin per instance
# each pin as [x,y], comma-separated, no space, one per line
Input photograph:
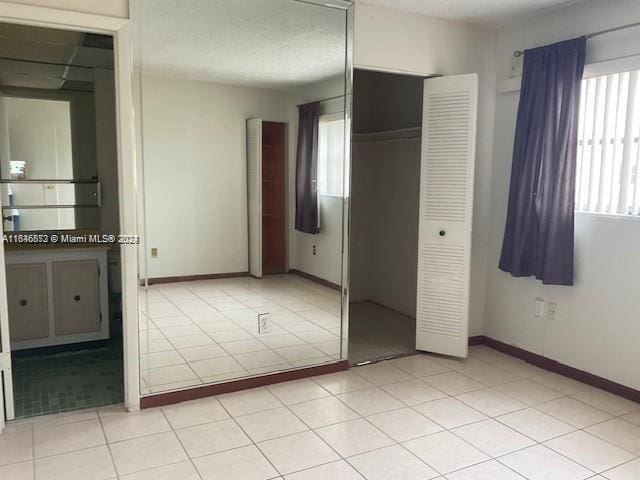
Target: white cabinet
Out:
[76,296]
[27,299]
[57,297]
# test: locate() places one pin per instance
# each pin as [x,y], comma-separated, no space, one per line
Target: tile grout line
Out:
[177,437]
[255,445]
[108,445]
[239,300]
[331,395]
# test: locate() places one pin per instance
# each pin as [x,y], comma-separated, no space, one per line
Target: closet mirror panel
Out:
[240,111]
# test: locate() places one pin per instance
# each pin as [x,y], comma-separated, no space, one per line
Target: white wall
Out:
[107,149]
[393,40]
[598,327]
[195,172]
[384,233]
[107,162]
[113,8]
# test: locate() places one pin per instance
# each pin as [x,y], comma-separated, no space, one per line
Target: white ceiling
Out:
[266,43]
[487,13]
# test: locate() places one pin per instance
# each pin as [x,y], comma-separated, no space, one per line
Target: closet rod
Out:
[519,53]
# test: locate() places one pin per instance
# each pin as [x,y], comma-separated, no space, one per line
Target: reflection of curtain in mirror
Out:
[306,168]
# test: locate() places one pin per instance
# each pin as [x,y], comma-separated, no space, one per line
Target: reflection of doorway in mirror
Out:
[40,148]
[273,198]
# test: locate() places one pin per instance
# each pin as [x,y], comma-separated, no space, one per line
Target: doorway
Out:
[59,187]
[411,215]
[386,142]
[274,259]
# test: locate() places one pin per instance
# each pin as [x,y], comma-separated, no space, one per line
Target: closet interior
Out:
[385,195]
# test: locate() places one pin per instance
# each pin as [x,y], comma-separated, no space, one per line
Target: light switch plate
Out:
[264,323]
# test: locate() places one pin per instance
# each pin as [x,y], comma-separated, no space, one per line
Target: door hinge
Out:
[99,271]
[5,361]
[100,317]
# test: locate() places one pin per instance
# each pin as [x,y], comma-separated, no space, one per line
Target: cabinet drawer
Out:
[76,296]
[27,301]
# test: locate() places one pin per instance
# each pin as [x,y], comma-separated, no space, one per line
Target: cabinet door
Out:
[76,296]
[27,299]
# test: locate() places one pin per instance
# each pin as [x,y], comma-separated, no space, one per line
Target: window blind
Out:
[608,156]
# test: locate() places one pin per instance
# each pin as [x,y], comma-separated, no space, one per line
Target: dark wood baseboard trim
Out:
[559,368]
[169,398]
[477,340]
[191,278]
[315,279]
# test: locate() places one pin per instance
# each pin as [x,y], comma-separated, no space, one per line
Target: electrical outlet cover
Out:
[553,311]
[264,323]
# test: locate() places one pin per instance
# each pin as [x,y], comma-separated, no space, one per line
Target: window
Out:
[330,155]
[609,145]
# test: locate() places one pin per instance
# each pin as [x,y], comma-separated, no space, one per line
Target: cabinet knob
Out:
[442,233]
[77,298]
[23,302]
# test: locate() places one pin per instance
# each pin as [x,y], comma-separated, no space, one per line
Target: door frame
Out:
[120,29]
[348,180]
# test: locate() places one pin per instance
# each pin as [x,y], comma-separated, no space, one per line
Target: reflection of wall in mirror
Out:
[77,150]
[195,172]
[195,177]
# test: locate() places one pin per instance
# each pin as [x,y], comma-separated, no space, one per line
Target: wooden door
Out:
[273,198]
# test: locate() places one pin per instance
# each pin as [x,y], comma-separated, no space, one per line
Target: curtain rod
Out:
[519,53]
[324,99]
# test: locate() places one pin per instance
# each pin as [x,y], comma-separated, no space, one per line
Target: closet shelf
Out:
[388,135]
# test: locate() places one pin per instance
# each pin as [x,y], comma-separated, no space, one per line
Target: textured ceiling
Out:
[487,13]
[266,43]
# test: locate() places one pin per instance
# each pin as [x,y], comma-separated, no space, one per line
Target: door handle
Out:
[76,298]
[442,233]
[23,302]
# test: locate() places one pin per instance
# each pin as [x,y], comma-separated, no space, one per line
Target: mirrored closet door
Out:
[241,114]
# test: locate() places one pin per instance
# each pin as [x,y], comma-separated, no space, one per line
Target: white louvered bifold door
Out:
[254,194]
[446,209]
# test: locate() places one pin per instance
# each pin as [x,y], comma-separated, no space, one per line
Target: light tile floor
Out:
[490,417]
[207,331]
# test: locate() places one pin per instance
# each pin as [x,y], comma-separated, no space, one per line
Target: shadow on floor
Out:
[377,332]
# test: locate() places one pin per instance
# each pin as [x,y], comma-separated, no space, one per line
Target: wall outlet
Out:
[264,323]
[516,66]
[314,249]
[539,307]
[553,311]
[154,252]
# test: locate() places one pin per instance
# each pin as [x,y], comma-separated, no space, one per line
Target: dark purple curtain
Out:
[307,168]
[538,237]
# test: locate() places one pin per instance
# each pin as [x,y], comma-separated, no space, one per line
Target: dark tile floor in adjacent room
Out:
[46,383]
